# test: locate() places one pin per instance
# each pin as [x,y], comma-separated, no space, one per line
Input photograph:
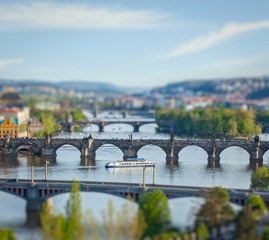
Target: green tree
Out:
[260,178]
[58,227]
[265,235]
[257,206]
[73,225]
[208,120]
[22,127]
[155,208]
[216,209]
[78,115]
[246,226]
[128,223]
[202,232]
[7,234]
[51,224]
[233,128]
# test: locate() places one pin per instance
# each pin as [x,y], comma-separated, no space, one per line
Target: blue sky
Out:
[143,43]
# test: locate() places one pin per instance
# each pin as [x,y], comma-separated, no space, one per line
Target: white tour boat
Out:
[131,162]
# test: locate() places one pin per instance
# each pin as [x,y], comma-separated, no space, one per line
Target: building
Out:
[34,125]
[10,98]
[198,102]
[48,106]
[133,102]
[9,128]
[12,108]
[17,115]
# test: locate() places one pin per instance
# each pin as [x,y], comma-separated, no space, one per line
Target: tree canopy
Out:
[155,207]
[206,121]
[215,210]
[260,178]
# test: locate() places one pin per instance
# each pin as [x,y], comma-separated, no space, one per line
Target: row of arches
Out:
[32,148]
[190,152]
[121,127]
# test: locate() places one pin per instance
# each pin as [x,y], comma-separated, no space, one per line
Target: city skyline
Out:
[141,43]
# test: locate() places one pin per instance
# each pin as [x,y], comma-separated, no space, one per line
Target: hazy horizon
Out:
[133,44]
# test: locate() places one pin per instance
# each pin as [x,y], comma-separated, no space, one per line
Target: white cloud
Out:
[46,15]
[234,62]
[203,42]
[7,62]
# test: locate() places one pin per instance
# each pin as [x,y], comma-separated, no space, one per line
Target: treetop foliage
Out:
[260,178]
[7,234]
[206,121]
[155,207]
[216,210]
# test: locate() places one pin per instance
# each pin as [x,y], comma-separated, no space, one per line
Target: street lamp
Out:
[46,170]
[32,173]
[144,168]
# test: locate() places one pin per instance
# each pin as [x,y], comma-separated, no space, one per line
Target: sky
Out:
[139,43]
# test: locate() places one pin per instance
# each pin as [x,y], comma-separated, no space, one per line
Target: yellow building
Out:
[9,128]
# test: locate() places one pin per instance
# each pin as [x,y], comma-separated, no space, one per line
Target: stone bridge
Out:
[125,113]
[130,147]
[102,123]
[37,192]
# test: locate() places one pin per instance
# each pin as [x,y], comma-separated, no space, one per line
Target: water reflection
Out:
[9,162]
[87,162]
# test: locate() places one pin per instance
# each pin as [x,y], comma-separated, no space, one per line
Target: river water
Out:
[191,170]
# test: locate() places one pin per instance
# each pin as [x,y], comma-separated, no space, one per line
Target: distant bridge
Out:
[39,191]
[124,112]
[88,146]
[102,123]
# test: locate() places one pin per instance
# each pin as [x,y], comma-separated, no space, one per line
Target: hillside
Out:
[243,86]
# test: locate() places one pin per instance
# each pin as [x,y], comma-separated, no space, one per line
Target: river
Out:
[191,170]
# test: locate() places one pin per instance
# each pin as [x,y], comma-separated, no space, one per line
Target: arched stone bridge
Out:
[102,123]
[130,147]
[35,193]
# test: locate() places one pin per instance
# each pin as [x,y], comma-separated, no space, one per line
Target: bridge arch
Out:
[117,151]
[91,127]
[18,192]
[77,146]
[224,149]
[158,148]
[195,149]
[86,190]
[148,126]
[265,156]
[29,146]
[126,124]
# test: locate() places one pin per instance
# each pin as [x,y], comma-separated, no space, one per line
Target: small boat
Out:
[131,162]
[26,152]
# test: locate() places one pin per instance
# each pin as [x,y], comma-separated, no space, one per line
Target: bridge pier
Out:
[8,152]
[213,163]
[213,157]
[101,127]
[256,163]
[171,154]
[48,152]
[136,127]
[95,114]
[87,162]
[125,114]
[34,206]
[256,159]
[129,153]
[33,209]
